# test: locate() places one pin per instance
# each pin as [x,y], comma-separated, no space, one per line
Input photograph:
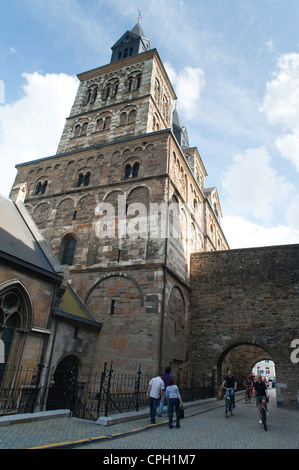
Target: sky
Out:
[234,66]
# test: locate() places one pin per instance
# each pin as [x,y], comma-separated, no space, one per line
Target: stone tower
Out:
[124,204]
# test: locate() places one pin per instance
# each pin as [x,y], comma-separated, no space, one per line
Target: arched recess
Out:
[175,329]
[117,300]
[16,317]
[64,383]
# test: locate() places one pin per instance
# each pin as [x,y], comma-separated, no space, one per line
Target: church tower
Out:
[124,204]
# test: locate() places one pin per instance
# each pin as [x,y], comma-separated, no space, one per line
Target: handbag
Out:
[182,412]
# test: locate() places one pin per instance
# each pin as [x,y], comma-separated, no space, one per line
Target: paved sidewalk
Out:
[52,430]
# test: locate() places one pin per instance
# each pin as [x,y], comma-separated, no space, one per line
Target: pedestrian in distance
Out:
[166,377]
[155,395]
[174,399]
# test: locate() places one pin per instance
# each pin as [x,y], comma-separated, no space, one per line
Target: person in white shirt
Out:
[155,394]
[174,400]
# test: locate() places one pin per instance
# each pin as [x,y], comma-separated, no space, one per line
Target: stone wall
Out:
[246,297]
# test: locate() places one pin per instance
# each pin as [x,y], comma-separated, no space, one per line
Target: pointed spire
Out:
[179,130]
[131,43]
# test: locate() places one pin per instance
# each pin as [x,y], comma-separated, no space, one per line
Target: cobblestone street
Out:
[204,427]
[211,430]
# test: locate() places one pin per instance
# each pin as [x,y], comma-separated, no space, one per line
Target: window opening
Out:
[69,246]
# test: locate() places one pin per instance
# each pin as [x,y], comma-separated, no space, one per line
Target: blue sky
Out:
[235,68]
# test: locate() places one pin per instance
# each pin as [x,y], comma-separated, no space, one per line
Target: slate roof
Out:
[19,243]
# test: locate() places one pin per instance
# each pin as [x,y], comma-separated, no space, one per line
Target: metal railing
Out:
[86,395]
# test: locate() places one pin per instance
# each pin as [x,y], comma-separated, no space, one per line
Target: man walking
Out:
[155,394]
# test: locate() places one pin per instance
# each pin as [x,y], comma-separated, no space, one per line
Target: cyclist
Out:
[262,396]
[230,383]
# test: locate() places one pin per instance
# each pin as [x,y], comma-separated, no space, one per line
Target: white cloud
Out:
[241,233]
[188,84]
[281,104]
[293,213]
[32,126]
[251,185]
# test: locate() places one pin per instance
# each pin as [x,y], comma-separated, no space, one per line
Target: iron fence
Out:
[86,395]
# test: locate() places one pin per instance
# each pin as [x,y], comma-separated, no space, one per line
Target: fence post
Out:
[103,377]
[108,389]
[36,391]
[137,387]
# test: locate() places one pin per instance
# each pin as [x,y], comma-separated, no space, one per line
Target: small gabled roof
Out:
[71,308]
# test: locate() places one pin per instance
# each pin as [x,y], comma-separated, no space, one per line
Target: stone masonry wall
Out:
[247,297]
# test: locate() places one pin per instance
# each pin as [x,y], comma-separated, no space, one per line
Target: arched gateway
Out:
[245,305]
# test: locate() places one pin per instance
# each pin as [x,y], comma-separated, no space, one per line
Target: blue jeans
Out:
[174,403]
[232,395]
[162,403]
[153,407]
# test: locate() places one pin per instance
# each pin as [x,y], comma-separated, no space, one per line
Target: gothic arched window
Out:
[16,313]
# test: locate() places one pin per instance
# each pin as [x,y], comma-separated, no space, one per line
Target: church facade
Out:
[123,203]
[124,207]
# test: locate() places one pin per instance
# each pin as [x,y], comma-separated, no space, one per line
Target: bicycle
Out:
[228,402]
[247,395]
[264,416]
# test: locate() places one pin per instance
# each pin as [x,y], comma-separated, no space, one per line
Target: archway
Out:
[62,392]
[240,358]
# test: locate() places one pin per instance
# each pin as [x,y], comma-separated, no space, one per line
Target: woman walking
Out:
[174,400]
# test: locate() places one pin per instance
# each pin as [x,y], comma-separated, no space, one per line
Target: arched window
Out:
[123,119]
[41,187]
[91,95]
[94,95]
[83,179]
[110,89]
[132,171]
[84,128]
[135,170]
[77,130]
[132,116]
[67,248]
[127,118]
[107,123]
[134,82]
[128,171]
[138,81]
[99,124]
[16,313]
